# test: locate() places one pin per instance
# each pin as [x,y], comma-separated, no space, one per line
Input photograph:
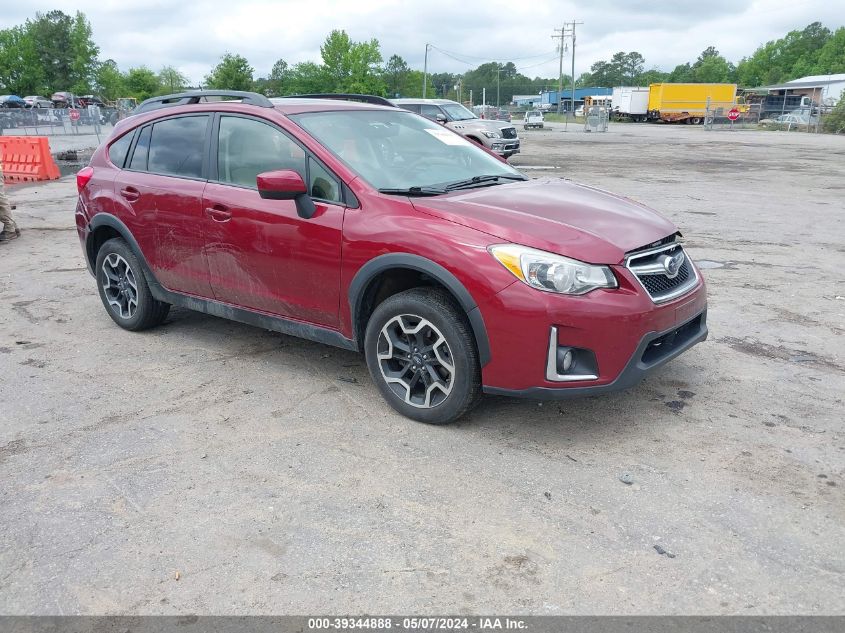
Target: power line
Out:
[510,59]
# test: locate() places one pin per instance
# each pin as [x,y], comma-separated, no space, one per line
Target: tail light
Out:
[82,177]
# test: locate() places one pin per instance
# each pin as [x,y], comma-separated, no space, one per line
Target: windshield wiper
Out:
[476,180]
[414,191]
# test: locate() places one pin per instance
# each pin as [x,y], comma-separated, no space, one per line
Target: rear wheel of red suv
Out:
[421,354]
[124,290]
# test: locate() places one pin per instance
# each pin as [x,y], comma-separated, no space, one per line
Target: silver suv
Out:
[499,137]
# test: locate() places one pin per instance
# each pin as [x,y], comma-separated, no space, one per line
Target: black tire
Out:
[437,308]
[148,312]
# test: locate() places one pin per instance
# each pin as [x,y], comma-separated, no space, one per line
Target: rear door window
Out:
[142,147]
[177,146]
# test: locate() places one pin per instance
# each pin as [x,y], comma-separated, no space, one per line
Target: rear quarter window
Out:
[119,149]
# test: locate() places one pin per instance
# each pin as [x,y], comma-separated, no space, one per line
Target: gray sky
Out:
[193,35]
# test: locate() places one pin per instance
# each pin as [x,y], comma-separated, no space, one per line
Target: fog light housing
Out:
[569,364]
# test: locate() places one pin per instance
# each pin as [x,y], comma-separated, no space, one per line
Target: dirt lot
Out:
[211,467]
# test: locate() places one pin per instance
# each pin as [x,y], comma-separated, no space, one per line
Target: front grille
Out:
[665,272]
[508,132]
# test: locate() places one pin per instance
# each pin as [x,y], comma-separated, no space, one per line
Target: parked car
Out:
[533,118]
[499,139]
[89,100]
[11,101]
[35,101]
[503,115]
[373,229]
[66,100]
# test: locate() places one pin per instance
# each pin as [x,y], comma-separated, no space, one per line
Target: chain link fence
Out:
[595,119]
[731,116]
[54,121]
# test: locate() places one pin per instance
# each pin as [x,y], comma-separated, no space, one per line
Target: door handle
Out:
[218,213]
[130,193]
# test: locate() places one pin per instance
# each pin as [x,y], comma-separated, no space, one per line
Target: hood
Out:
[554,215]
[491,125]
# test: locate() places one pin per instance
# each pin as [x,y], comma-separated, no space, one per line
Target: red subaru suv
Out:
[361,225]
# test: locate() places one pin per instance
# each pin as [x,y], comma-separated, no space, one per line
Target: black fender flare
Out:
[104,219]
[382,263]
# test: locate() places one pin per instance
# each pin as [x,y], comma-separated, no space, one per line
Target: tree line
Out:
[55,51]
[813,50]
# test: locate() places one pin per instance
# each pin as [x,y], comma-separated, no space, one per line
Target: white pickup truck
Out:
[533,118]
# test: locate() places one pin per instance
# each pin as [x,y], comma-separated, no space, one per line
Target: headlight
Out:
[490,134]
[552,273]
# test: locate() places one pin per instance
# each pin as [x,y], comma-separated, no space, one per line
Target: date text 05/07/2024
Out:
[480,623]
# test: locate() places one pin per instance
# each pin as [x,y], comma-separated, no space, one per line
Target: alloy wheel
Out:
[120,286]
[416,361]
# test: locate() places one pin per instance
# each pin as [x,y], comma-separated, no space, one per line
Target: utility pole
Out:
[560,47]
[567,31]
[498,71]
[425,69]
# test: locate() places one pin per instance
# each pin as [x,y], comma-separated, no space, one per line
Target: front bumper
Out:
[643,361]
[505,147]
[620,327]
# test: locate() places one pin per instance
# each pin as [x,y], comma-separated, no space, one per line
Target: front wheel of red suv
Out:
[422,356]
[124,290]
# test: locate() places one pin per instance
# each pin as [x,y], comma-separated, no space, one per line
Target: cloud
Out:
[193,36]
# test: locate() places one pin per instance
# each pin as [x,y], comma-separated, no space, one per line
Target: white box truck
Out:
[630,102]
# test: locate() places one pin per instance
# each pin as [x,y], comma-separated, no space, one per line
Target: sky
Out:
[464,33]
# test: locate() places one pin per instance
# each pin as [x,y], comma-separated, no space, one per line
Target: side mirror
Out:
[440,118]
[286,184]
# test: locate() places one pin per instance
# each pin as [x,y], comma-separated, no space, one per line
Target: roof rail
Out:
[345,97]
[197,96]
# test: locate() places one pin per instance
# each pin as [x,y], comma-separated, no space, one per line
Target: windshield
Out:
[395,149]
[457,112]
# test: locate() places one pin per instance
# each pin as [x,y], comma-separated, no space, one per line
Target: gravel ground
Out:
[211,467]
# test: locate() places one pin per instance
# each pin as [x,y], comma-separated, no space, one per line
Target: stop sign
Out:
[733,114]
[74,115]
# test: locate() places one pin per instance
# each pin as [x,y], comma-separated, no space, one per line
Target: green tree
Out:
[66,52]
[142,83]
[794,55]
[171,80]
[623,69]
[682,73]
[109,81]
[711,67]
[443,83]
[84,54]
[307,78]
[279,76]
[396,72]
[652,76]
[351,66]
[832,55]
[20,67]
[232,73]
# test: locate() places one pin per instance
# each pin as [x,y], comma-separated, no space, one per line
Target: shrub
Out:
[835,121]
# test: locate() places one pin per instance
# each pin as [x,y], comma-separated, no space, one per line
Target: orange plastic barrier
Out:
[27,159]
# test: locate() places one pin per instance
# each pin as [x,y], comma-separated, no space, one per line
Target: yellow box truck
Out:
[687,103]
